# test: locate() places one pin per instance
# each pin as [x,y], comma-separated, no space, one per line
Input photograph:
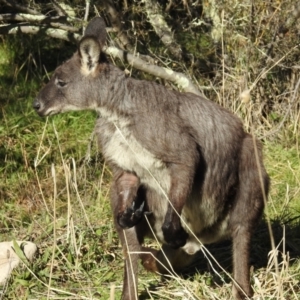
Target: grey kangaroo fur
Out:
[180,163]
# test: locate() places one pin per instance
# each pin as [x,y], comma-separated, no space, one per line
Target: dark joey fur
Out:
[180,163]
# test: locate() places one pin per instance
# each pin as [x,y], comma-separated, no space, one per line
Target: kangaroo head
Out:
[72,86]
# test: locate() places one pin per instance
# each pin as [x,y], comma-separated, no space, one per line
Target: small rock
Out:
[245,96]
[9,259]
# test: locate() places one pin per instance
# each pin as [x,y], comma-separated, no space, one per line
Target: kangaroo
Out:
[183,168]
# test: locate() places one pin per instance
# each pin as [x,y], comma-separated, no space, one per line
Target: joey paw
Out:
[175,236]
[130,216]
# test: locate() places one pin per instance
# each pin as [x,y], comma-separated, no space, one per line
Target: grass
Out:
[54,189]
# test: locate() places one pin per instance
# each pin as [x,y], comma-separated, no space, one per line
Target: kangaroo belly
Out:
[203,224]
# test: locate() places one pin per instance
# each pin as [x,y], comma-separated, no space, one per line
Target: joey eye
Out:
[60,82]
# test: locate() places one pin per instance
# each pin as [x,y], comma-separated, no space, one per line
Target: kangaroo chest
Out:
[123,149]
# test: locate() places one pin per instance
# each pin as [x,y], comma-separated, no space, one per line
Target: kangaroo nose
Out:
[36,104]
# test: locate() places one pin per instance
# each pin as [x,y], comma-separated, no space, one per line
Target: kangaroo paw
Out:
[174,236]
[131,216]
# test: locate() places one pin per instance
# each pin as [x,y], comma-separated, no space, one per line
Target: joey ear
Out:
[89,50]
[96,29]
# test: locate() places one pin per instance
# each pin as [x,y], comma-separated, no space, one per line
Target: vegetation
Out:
[54,183]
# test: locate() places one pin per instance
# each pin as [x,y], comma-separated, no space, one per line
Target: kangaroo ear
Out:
[96,29]
[91,45]
[89,50]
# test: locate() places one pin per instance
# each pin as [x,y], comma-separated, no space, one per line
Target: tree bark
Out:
[164,32]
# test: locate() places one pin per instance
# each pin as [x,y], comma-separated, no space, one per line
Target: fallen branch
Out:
[30,29]
[39,19]
[179,79]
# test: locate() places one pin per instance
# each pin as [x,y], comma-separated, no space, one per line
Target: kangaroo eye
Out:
[60,82]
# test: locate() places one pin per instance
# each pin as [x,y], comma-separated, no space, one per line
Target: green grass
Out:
[284,168]
[54,192]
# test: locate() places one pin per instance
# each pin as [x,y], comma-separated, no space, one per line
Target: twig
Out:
[265,71]
[86,14]
[58,8]
[87,10]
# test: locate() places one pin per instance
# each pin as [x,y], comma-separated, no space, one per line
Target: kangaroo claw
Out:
[131,215]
